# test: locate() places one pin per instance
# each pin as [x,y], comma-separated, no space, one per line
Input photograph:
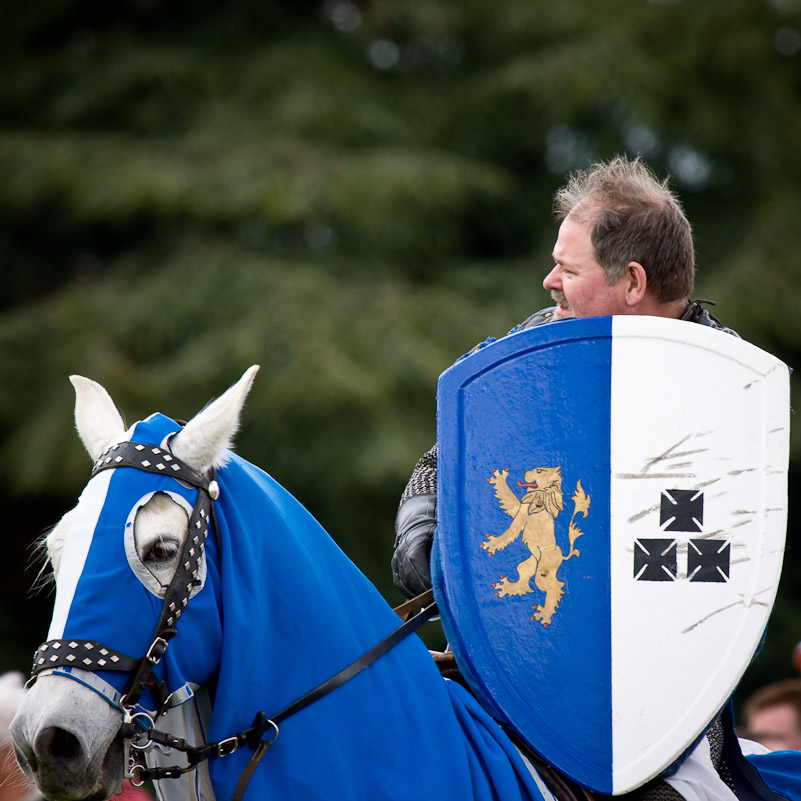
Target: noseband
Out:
[138,728]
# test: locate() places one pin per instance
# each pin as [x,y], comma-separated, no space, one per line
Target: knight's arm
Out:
[415,525]
[416,521]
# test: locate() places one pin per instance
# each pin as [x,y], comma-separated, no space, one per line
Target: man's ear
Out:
[636,283]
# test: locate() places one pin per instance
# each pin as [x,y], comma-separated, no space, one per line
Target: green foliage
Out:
[352,195]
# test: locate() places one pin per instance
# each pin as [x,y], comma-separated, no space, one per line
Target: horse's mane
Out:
[39,554]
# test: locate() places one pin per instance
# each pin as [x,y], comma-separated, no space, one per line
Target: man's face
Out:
[577,282]
[776,727]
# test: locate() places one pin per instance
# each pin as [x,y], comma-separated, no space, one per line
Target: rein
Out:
[138,728]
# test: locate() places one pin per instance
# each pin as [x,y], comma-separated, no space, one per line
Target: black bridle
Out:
[90,655]
[138,728]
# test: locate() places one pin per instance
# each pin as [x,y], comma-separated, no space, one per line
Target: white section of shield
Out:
[693,409]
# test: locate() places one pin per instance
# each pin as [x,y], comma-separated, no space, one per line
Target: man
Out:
[772,715]
[624,247]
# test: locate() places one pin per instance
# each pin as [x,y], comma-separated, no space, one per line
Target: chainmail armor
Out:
[423,480]
[716,735]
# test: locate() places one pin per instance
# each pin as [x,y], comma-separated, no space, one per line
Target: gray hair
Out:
[634,217]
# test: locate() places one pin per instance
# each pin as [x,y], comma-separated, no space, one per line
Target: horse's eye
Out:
[161,551]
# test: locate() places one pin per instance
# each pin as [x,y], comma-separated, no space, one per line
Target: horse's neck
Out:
[295,612]
[296,609]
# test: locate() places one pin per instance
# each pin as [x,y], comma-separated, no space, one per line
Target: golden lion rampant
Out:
[534,516]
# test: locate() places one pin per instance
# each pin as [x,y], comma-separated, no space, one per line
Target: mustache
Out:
[559,298]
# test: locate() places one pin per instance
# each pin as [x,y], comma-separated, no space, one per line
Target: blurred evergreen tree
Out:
[351,194]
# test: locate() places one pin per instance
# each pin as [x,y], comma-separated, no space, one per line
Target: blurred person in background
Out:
[14,786]
[772,716]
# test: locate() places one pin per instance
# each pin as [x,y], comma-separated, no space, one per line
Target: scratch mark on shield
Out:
[673,451]
[747,603]
[654,475]
[644,513]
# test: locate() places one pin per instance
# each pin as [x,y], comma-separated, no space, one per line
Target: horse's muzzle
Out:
[67,741]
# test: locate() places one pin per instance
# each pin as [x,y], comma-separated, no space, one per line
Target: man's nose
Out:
[551,281]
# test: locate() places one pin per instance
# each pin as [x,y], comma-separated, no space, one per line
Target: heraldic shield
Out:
[611,520]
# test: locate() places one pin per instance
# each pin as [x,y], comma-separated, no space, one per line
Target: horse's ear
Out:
[98,422]
[204,439]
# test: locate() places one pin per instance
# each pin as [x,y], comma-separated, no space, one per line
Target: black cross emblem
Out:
[682,510]
[655,560]
[708,560]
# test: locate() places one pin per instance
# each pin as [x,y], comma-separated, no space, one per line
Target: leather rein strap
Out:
[252,737]
[93,656]
[338,679]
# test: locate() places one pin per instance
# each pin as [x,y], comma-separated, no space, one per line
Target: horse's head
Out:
[131,570]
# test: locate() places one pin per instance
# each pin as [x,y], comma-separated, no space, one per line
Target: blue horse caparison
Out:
[279,609]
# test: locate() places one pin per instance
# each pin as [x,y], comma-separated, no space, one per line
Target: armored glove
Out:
[415,525]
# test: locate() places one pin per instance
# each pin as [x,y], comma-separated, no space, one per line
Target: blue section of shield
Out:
[536,399]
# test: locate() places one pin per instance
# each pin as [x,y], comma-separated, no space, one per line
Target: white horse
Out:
[268,608]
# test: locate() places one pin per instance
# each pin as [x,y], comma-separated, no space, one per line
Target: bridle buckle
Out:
[227,746]
[156,650]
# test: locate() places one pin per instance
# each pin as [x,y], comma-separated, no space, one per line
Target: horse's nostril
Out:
[59,745]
